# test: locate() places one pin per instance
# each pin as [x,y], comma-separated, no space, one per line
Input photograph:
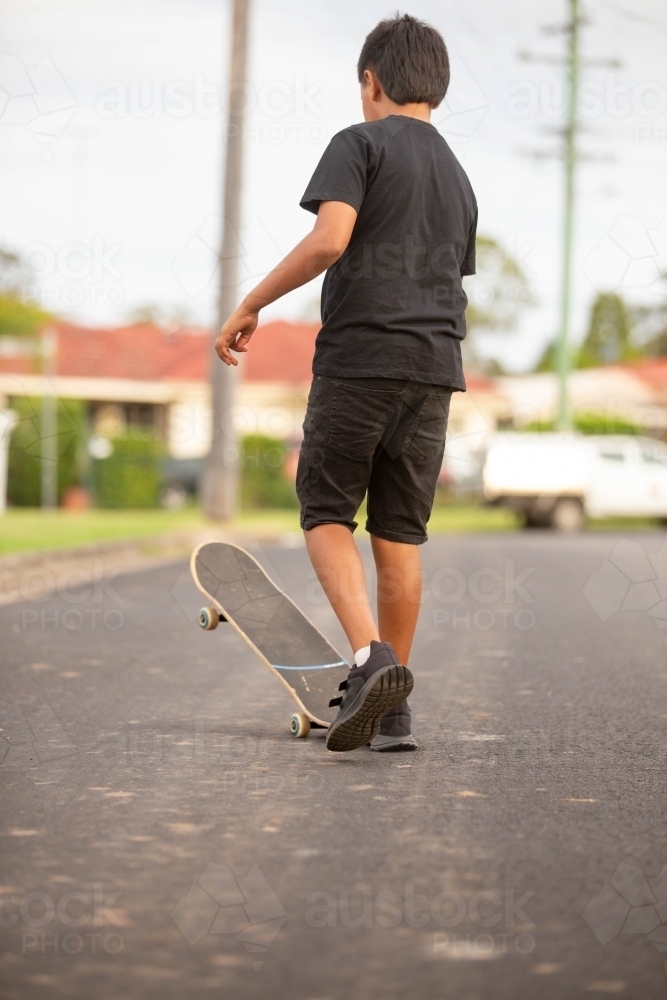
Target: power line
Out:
[633,16]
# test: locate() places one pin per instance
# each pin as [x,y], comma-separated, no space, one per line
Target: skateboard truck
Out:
[209,618]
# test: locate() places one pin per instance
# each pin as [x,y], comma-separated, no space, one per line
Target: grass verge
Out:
[25,529]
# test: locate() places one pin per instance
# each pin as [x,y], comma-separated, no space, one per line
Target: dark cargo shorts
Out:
[383,437]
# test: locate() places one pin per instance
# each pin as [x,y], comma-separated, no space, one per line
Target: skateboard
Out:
[274,627]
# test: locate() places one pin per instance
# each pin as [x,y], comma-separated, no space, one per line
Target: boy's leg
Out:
[343,430]
[337,563]
[398,599]
[377,683]
[339,568]
[399,579]
[400,498]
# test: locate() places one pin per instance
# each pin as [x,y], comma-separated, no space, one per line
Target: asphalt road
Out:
[163,836]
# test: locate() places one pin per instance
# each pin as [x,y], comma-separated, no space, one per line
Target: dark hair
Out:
[410,60]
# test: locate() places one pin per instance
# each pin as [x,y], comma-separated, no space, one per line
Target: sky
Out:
[112,132]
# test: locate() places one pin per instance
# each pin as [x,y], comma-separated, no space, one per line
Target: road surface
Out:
[163,836]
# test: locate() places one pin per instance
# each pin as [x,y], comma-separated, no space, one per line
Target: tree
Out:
[18,317]
[608,338]
[651,327]
[547,361]
[497,294]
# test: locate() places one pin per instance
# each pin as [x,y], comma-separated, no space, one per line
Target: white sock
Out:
[361,656]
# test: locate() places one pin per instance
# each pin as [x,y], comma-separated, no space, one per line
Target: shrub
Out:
[591,423]
[131,476]
[263,481]
[24,473]
[594,423]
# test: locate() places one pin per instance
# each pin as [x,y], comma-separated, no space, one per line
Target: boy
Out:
[395,230]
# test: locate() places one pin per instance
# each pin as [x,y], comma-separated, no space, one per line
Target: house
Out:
[634,392]
[144,376]
[137,376]
[275,380]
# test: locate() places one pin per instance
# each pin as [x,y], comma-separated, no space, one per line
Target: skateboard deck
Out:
[273,626]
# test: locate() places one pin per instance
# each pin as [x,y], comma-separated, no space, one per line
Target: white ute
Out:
[557,480]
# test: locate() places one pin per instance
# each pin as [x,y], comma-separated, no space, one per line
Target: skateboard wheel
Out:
[208,619]
[299,725]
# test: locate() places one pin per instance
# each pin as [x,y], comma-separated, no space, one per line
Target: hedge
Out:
[24,473]
[131,477]
[263,481]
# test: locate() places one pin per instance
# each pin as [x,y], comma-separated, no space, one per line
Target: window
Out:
[653,458]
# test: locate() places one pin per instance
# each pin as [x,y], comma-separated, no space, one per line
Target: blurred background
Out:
[113,127]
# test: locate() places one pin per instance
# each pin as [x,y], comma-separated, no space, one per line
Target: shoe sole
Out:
[394,744]
[360,722]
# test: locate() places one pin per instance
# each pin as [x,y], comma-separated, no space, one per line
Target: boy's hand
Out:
[314,254]
[235,334]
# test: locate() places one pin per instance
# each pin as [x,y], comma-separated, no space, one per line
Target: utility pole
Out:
[49,423]
[571,157]
[564,418]
[219,486]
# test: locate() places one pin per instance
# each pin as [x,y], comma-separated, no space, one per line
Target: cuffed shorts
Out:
[380,437]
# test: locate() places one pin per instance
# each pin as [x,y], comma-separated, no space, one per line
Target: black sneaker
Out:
[395,731]
[368,693]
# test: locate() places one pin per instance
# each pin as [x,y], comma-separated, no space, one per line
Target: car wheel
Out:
[567,515]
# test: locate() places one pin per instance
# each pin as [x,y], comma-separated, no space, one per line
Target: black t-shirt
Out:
[393,305]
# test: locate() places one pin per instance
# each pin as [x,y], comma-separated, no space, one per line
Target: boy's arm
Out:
[319,250]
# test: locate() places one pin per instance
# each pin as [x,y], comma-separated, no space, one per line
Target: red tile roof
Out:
[651,370]
[144,352]
[278,352]
[479,383]
[281,352]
